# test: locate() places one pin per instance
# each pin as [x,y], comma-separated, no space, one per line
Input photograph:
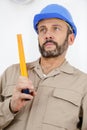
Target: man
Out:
[57,98]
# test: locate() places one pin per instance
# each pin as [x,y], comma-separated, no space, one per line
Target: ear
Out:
[71,38]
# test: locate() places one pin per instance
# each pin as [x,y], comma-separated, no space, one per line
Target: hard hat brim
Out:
[39,17]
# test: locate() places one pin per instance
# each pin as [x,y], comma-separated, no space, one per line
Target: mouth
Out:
[49,44]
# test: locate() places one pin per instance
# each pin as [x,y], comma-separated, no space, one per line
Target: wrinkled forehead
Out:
[53,21]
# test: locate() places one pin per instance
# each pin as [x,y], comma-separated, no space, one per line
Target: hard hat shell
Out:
[55,11]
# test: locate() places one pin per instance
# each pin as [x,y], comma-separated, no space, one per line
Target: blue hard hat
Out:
[55,11]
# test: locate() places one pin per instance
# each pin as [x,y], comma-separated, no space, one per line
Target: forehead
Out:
[52,21]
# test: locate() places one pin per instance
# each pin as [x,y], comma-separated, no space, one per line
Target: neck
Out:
[48,64]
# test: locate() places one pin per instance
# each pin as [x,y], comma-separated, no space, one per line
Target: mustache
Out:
[55,43]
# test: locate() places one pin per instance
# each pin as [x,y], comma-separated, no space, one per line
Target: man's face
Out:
[52,37]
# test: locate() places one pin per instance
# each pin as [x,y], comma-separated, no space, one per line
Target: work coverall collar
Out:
[65,68]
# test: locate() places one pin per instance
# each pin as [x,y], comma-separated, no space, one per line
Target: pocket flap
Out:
[8,91]
[69,95]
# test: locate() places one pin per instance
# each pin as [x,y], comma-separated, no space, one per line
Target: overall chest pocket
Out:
[63,109]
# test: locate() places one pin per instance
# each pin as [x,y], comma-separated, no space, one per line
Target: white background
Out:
[16,18]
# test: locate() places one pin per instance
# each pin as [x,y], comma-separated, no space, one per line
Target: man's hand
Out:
[18,99]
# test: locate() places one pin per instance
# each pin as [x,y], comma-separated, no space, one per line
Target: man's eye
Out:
[42,30]
[56,28]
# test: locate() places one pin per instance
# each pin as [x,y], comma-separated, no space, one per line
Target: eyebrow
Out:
[57,25]
[41,26]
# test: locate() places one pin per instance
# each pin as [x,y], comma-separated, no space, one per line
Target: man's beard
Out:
[59,50]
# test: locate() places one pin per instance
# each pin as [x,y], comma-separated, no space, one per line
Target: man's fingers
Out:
[26,96]
[24,83]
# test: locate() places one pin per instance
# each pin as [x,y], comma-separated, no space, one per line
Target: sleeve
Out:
[84,118]
[6,116]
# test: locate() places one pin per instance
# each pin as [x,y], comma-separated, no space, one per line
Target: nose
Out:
[49,35]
